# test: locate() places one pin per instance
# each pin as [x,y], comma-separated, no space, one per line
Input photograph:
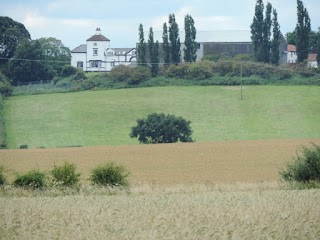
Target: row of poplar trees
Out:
[171,45]
[267,49]
[265,44]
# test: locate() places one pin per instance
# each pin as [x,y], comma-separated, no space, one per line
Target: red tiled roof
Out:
[291,48]
[312,57]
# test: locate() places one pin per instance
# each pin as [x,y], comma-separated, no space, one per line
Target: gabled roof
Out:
[312,57]
[98,37]
[291,48]
[121,51]
[81,49]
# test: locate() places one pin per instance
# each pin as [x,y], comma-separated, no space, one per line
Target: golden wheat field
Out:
[170,164]
[209,190]
[148,212]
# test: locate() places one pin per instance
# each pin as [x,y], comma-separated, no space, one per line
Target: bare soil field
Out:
[171,164]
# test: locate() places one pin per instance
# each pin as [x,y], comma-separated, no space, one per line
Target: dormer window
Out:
[95,52]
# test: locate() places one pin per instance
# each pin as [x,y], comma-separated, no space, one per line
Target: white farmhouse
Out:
[97,56]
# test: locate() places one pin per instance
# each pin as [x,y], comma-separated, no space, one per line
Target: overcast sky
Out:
[74,21]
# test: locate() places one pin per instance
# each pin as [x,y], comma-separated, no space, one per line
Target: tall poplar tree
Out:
[142,47]
[174,40]
[266,44]
[257,31]
[318,48]
[190,49]
[275,52]
[303,29]
[166,47]
[153,53]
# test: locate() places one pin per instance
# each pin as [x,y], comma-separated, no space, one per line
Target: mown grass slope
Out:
[105,117]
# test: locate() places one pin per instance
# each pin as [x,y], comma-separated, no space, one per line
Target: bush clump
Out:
[6,88]
[32,179]
[68,71]
[130,75]
[304,168]
[65,175]
[110,174]
[162,128]
[3,179]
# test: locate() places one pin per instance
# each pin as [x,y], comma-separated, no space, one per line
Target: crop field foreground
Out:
[171,164]
[164,213]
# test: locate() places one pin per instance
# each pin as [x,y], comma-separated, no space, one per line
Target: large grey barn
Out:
[229,43]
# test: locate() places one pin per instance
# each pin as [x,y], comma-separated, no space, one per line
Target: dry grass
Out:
[150,212]
[171,164]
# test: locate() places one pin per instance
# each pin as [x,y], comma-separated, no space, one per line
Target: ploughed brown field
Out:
[171,164]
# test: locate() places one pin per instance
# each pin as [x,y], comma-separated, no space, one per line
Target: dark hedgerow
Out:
[162,128]
[31,179]
[304,168]
[110,174]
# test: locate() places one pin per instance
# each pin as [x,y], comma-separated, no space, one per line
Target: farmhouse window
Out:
[80,64]
[95,52]
[95,64]
[112,64]
[110,54]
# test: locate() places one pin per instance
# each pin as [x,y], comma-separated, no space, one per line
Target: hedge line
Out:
[3,142]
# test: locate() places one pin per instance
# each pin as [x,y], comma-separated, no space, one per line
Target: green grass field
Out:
[217,113]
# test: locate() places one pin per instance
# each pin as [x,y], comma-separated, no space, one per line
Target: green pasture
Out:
[216,112]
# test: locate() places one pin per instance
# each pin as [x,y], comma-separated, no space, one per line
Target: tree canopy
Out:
[11,34]
[162,128]
[29,64]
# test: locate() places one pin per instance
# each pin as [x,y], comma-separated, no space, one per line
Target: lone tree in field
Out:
[162,128]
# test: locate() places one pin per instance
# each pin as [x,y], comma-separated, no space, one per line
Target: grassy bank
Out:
[217,113]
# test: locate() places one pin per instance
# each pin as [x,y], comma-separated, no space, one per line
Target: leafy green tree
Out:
[275,53]
[303,29]
[291,37]
[174,40]
[267,23]
[141,47]
[257,31]
[166,47]
[28,63]
[153,54]
[55,53]
[190,49]
[11,34]
[162,128]
[5,86]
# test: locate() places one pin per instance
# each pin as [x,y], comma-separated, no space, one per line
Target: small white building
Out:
[97,56]
[312,60]
[291,54]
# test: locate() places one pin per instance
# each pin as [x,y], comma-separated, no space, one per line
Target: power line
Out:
[33,60]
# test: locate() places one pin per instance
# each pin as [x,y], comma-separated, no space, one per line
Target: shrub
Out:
[3,179]
[65,175]
[109,174]
[304,168]
[161,128]
[79,75]
[68,71]
[177,71]
[32,179]
[139,74]
[5,86]
[120,73]
[199,71]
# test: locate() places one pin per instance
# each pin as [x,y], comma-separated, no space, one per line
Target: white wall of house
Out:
[313,64]
[79,60]
[292,57]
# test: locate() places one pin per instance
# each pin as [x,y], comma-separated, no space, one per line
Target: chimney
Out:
[98,31]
